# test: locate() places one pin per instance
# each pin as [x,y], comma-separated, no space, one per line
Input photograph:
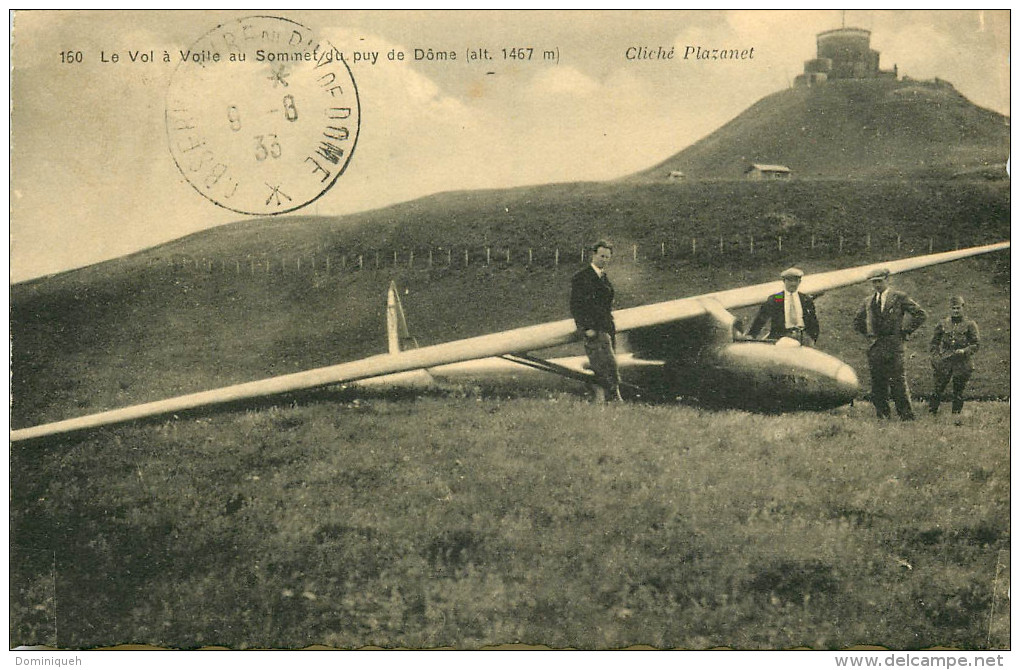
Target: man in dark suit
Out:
[789,313]
[888,317]
[591,305]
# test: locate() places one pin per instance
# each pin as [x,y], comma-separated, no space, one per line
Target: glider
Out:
[674,346]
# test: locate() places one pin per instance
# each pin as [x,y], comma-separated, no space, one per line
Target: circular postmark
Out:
[262,116]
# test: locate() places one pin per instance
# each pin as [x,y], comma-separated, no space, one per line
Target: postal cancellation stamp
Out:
[262,115]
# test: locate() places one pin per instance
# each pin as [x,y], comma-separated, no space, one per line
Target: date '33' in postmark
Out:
[262,116]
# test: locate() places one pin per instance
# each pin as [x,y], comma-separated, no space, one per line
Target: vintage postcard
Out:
[510,329]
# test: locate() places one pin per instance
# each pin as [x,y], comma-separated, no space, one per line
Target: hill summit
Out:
[868,128]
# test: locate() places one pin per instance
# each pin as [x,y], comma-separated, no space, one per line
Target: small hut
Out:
[758,172]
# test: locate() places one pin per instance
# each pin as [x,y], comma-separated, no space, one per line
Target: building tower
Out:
[843,53]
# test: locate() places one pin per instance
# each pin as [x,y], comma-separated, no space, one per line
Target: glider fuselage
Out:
[748,375]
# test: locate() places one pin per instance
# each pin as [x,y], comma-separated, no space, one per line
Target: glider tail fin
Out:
[397,334]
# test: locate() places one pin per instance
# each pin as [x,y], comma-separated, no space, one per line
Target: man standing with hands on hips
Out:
[591,305]
[888,317]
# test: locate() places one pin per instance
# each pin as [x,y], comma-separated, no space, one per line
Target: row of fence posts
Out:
[329,266]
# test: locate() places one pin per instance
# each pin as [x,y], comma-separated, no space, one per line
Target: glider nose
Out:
[846,380]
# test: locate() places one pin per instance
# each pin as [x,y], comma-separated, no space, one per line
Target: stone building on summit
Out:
[843,53]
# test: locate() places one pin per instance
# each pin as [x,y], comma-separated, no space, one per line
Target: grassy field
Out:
[468,519]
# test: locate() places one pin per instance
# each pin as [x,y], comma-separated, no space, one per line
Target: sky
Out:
[92,176]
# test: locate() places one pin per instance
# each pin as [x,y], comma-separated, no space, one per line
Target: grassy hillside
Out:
[854,129]
[569,215]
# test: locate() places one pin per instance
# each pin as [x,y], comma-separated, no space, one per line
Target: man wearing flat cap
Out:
[888,317]
[954,342]
[789,313]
